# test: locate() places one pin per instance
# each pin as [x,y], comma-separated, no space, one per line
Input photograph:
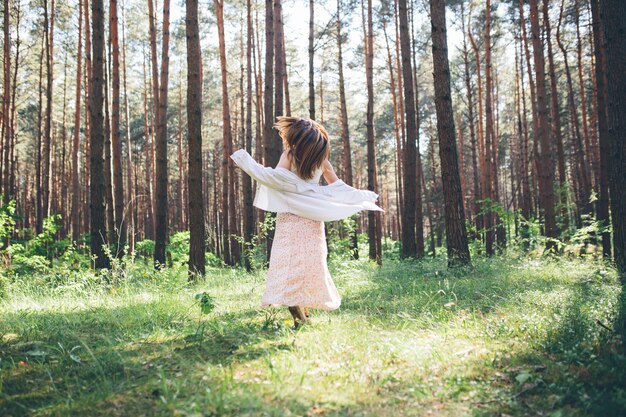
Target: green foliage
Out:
[515,336]
[205,302]
[178,247]
[25,262]
[145,248]
[45,244]
[339,238]
[4,283]
[7,219]
[255,250]
[589,237]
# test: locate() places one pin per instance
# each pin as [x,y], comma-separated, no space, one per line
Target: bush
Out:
[145,248]
[179,247]
[25,262]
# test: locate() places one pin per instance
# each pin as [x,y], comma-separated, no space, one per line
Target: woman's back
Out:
[316,175]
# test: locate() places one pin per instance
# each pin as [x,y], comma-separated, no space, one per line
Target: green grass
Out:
[508,337]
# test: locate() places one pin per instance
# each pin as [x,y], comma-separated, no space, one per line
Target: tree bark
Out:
[231,253]
[584,186]
[409,247]
[556,121]
[98,230]
[471,121]
[311,56]
[489,162]
[248,211]
[108,175]
[130,214]
[612,15]
[6,103]
[194,139]
[76,140]
[546,181]
[374,223]
[116,143]
[602,205]
[160,216]
[47,144]
[456,234]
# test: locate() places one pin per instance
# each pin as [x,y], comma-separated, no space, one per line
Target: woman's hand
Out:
[329,172]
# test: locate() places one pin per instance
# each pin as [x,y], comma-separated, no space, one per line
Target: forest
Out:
[133,258]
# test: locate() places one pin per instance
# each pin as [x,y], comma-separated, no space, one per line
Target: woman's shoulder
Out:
[285,160]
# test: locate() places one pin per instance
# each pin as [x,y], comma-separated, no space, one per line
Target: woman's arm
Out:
[285,160]
[329,172]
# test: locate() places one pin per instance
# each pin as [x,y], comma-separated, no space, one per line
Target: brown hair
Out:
[307,142]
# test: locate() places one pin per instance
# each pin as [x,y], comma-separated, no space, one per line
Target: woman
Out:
[298,275]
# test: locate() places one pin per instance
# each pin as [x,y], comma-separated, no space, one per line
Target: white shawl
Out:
[280,190]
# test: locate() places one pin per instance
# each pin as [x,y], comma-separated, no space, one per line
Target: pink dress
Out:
[298,274]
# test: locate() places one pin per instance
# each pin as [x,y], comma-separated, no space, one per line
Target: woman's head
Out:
[307,142]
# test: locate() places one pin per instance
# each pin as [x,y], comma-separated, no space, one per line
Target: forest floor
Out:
[507,337]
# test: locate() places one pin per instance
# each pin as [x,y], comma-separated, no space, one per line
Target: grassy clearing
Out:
[508,337]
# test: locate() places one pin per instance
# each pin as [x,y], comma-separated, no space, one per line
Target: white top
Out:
[316,175]
[280,190]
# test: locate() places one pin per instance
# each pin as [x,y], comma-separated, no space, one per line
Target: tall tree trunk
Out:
[152,112]
[396,122]
[76,140]
[13,157]
[311,56]
[160,216]
[116,143]
[108,175]
[612,17]
[97,189]
[345,131]
[194,139]
[584,188]
[248,211]
[527,207]
[180,198]
[38,168]
[583,96]
[602,205]
[47,144]
[6,103]
[148,126]
[131,190]
[546,181]
[286,83]
[269,147]
[556,121]
[419,207]
[471,121]
[374,221]
[87,149]
[230,245]
[456,234]
[486,219]
[489,162]
[409,247]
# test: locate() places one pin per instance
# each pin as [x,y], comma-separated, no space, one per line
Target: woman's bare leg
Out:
[298,316]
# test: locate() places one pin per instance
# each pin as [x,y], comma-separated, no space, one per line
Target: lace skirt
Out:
[298,274]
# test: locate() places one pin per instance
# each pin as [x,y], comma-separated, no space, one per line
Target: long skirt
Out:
[298,274]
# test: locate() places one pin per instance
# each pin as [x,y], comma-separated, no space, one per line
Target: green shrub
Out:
[179,247]
[145,248]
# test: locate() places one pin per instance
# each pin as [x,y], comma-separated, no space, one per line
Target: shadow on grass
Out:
[53,362]
[430,291]
[575,369]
